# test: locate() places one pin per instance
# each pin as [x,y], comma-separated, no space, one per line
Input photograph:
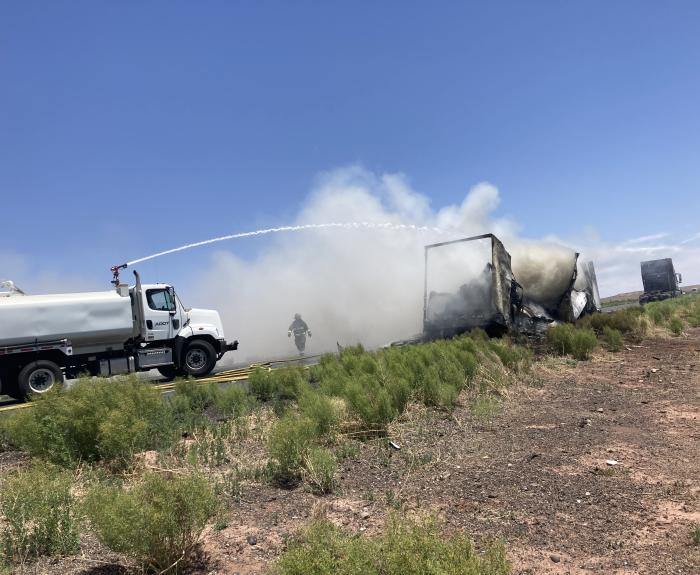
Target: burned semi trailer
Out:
[660,281]
[489,300]
[497,301]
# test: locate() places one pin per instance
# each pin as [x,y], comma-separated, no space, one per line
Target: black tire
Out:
[199,358]
[39,377]
[169,372]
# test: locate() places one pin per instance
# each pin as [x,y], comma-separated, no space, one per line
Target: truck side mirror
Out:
[679,278]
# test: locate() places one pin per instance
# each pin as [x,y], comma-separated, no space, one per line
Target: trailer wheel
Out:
[169,371]
[199,359]
[39,377]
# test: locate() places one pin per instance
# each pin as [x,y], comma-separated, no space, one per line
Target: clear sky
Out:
[130,127]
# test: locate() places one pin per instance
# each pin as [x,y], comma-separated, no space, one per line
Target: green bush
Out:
[320,410]
[695,534]
[559,338]
[289,443]
[234,401]
[675,325]
[405,547]
[377,386]
[516,358]
[157,522]
[40,515]
[319,469]
[283,384]
[626,321]
[612,339]
[93,420]
[190,402]
[370,402]
[484,407]
[583,343]
[566,339]
[660,312]
[195,405]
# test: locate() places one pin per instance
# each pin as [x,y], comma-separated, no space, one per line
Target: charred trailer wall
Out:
[485,301]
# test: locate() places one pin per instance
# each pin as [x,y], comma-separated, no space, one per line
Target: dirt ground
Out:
[535,473]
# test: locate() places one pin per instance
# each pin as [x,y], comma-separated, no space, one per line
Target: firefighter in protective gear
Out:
[300,330]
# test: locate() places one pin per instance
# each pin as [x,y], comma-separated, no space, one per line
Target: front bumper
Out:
[229,346]
[225,347]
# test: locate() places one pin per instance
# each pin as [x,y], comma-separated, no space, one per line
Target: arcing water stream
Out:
[343,225]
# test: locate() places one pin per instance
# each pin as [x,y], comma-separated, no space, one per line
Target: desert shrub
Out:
[194,405]
[40,514]
[566,339]
[234,401]
[660,312]
[261,384]
[695,534]
[282,384]
[675,325]
[559,338]
[93,420]
[627,321]
[157,522]
[694,317]
[319,467]
[583,343]
[290,440]
[321,410]
[612,339]
[190,403]
[484,407]
[406,547]
[515,358]
[370,402]
[434,391]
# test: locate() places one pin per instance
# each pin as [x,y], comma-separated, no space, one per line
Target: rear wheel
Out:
[199,358]
[39,377]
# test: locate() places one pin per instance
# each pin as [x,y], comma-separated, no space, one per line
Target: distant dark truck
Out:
[660,281]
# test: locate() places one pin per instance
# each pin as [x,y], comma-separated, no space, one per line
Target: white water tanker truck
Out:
[46,338]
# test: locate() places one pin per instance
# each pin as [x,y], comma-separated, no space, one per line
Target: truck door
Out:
[161,314]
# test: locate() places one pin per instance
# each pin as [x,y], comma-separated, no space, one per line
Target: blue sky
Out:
[131,127]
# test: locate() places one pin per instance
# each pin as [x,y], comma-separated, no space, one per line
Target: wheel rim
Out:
[41,380]
[196,359]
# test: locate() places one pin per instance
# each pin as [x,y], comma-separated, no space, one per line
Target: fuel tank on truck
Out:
[92,320]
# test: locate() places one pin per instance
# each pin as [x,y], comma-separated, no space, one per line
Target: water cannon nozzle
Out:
[115,273]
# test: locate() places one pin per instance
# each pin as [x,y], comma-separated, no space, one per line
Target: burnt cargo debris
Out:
[660,280]
[497,302]
[489,301]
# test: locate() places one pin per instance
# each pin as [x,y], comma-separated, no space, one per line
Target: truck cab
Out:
[660,280]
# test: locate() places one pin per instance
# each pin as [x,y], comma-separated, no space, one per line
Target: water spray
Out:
[342,225]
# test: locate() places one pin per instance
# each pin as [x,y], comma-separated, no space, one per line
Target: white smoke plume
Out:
[544,269]
[366,285]
[349,285]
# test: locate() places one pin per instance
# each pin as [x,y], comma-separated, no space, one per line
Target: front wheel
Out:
[39,377]
[199,359]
